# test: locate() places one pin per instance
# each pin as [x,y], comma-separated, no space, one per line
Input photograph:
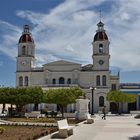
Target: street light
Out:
[92,91]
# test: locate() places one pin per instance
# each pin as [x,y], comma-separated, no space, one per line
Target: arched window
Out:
[101,48]
[24,50]
[101,101]
[26,80]
[69,81]
[20,81]
[104,80]
[61,80]
[98,80]
[54,81]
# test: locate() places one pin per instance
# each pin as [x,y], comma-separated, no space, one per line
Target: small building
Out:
[134,89]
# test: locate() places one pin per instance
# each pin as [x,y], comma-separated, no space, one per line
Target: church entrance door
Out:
[61,80]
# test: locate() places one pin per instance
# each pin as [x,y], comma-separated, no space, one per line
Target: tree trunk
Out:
[61,109]
[10,111]
[19,109]
[3,108]
[36,107]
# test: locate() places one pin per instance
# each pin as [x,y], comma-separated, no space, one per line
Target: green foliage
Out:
[21,96]
[118,96]
[129,98]
[4,95]
[63,96]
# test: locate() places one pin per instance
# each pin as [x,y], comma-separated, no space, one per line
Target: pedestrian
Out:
[104,113]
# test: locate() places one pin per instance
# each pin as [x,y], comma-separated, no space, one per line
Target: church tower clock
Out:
[26,51]
[101,56]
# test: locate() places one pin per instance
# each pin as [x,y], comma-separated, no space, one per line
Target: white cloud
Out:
[9,39]
[66,32]
[125,35]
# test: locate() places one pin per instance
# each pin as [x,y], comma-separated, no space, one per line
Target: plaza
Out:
[55,45]
[115,127]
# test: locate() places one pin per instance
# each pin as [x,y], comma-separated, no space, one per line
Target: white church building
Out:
[67,74]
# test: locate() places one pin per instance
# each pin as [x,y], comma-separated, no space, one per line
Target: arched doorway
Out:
[61,80]
[113,108]
[101,101]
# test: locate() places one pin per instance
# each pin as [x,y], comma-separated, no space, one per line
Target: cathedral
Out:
[95,79]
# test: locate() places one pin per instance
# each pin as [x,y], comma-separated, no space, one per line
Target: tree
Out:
[63,97]
[35,95]
[21,96]
[28,95]
[119,97]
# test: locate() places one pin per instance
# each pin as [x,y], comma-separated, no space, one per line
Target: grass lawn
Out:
[25,132]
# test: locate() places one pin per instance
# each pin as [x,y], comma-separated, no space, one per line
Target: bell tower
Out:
[100,49]
[101,56]
[26,51]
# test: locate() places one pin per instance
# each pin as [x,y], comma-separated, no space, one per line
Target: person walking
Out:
[104,113]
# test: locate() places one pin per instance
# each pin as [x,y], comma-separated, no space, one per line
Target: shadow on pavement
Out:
[135,138]
[56,136]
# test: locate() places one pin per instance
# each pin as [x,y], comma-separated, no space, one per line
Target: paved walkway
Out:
[113,128]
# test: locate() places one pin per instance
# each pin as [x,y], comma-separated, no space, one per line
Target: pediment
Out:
[61,62]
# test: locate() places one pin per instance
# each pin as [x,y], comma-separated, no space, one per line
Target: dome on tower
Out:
[100,34]
[26,35]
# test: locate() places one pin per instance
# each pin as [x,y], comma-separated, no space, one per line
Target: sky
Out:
[64,29]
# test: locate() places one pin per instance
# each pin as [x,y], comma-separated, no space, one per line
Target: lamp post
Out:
[92,91]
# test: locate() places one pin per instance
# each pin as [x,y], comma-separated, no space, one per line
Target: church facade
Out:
[95,79]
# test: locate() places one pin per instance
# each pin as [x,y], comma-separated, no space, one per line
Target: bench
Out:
[89,119]
[64,129]
[33,114]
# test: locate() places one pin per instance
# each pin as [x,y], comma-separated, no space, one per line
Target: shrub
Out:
[1,130]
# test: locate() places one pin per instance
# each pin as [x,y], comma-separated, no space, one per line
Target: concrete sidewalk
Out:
[113,128]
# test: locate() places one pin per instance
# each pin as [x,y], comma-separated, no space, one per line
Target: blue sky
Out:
[64,29]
